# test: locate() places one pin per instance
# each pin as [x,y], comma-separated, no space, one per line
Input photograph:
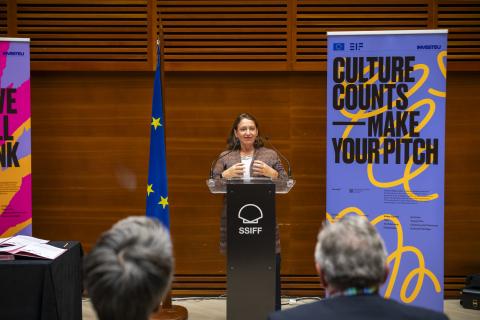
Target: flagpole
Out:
[167,310]
[174,312]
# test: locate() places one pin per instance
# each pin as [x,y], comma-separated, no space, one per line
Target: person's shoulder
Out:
[224,153]
[266,151]
[427,314]
[414,312]
[228,153]
[300,312]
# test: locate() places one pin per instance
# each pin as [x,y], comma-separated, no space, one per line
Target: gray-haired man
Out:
[129,270]
[352,264]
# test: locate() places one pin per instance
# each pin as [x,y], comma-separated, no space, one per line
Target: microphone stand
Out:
[289,170]
[214,162]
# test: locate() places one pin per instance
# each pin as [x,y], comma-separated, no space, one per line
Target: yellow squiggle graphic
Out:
[362,114]
[18,173]
[423,123]
[443,69]
[15,229]
[437,93]
[396,256]
[441,63]
[406,184]
[408,175]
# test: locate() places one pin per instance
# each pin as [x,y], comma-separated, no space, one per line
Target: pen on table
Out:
[66,244]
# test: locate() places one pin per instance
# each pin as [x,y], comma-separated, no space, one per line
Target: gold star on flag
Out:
[150,189]
[156,123]
[163,201]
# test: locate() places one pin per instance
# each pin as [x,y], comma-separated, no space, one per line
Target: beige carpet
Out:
[214,308]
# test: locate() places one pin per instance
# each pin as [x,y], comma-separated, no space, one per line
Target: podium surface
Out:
[282,186]
[251,256]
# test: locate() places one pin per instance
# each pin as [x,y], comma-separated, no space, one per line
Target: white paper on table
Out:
[39,250]
[9,249]
[3,239]
[21,240]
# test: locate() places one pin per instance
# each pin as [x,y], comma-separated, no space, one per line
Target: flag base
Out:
[171,313]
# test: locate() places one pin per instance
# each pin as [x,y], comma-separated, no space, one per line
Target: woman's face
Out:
[246,132]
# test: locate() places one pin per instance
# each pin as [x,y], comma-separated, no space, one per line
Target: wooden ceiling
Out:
[222,35]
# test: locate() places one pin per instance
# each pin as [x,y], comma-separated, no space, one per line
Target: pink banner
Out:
[15,138]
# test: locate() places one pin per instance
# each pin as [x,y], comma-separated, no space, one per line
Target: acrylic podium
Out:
[250,244]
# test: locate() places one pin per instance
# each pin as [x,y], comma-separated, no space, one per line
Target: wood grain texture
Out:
[90,158]
[87,35]
[233,35]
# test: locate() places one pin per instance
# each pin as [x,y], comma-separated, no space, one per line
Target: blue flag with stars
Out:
[157,192]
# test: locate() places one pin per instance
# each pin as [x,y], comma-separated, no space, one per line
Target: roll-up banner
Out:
[15,138]
[386,149]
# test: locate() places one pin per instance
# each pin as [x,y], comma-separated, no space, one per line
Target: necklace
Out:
[246,154]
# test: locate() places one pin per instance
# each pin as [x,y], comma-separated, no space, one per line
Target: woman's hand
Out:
[260,168]
[235,171]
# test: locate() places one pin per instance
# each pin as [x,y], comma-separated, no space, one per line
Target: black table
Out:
[34,289]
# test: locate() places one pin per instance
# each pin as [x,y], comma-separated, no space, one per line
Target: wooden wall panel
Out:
[222,35]
[314,18]
[3,19]
[86,35]
[462,174]
[462,19]
[91,133]
[90,158]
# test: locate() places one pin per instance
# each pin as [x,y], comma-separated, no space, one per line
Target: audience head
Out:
[129,270]
[350,253]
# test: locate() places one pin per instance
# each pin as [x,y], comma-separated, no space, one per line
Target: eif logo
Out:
[355,46]
[338,46]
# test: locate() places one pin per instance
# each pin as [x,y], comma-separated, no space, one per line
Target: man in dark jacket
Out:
[352,264]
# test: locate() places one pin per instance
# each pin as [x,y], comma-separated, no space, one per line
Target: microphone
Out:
[289,171]
[214,162]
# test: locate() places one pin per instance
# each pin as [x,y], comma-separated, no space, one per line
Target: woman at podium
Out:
[246,157]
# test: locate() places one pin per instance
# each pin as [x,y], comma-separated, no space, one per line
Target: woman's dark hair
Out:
[232,141]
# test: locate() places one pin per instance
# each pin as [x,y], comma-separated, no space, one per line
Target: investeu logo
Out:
[13,53]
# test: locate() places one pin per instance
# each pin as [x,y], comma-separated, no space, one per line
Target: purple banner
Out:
[385,150]
[15,138]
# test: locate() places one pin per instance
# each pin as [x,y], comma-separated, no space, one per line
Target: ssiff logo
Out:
[250,214]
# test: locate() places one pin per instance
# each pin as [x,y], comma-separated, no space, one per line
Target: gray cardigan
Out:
[266,155]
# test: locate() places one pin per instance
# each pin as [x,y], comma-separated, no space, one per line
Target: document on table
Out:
[29,247]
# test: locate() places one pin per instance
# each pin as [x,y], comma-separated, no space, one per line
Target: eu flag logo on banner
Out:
[157,191]
[339,46]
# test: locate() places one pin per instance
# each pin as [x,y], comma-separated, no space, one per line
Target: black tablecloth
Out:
[43,289]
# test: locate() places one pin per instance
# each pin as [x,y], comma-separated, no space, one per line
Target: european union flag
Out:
[157,191]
